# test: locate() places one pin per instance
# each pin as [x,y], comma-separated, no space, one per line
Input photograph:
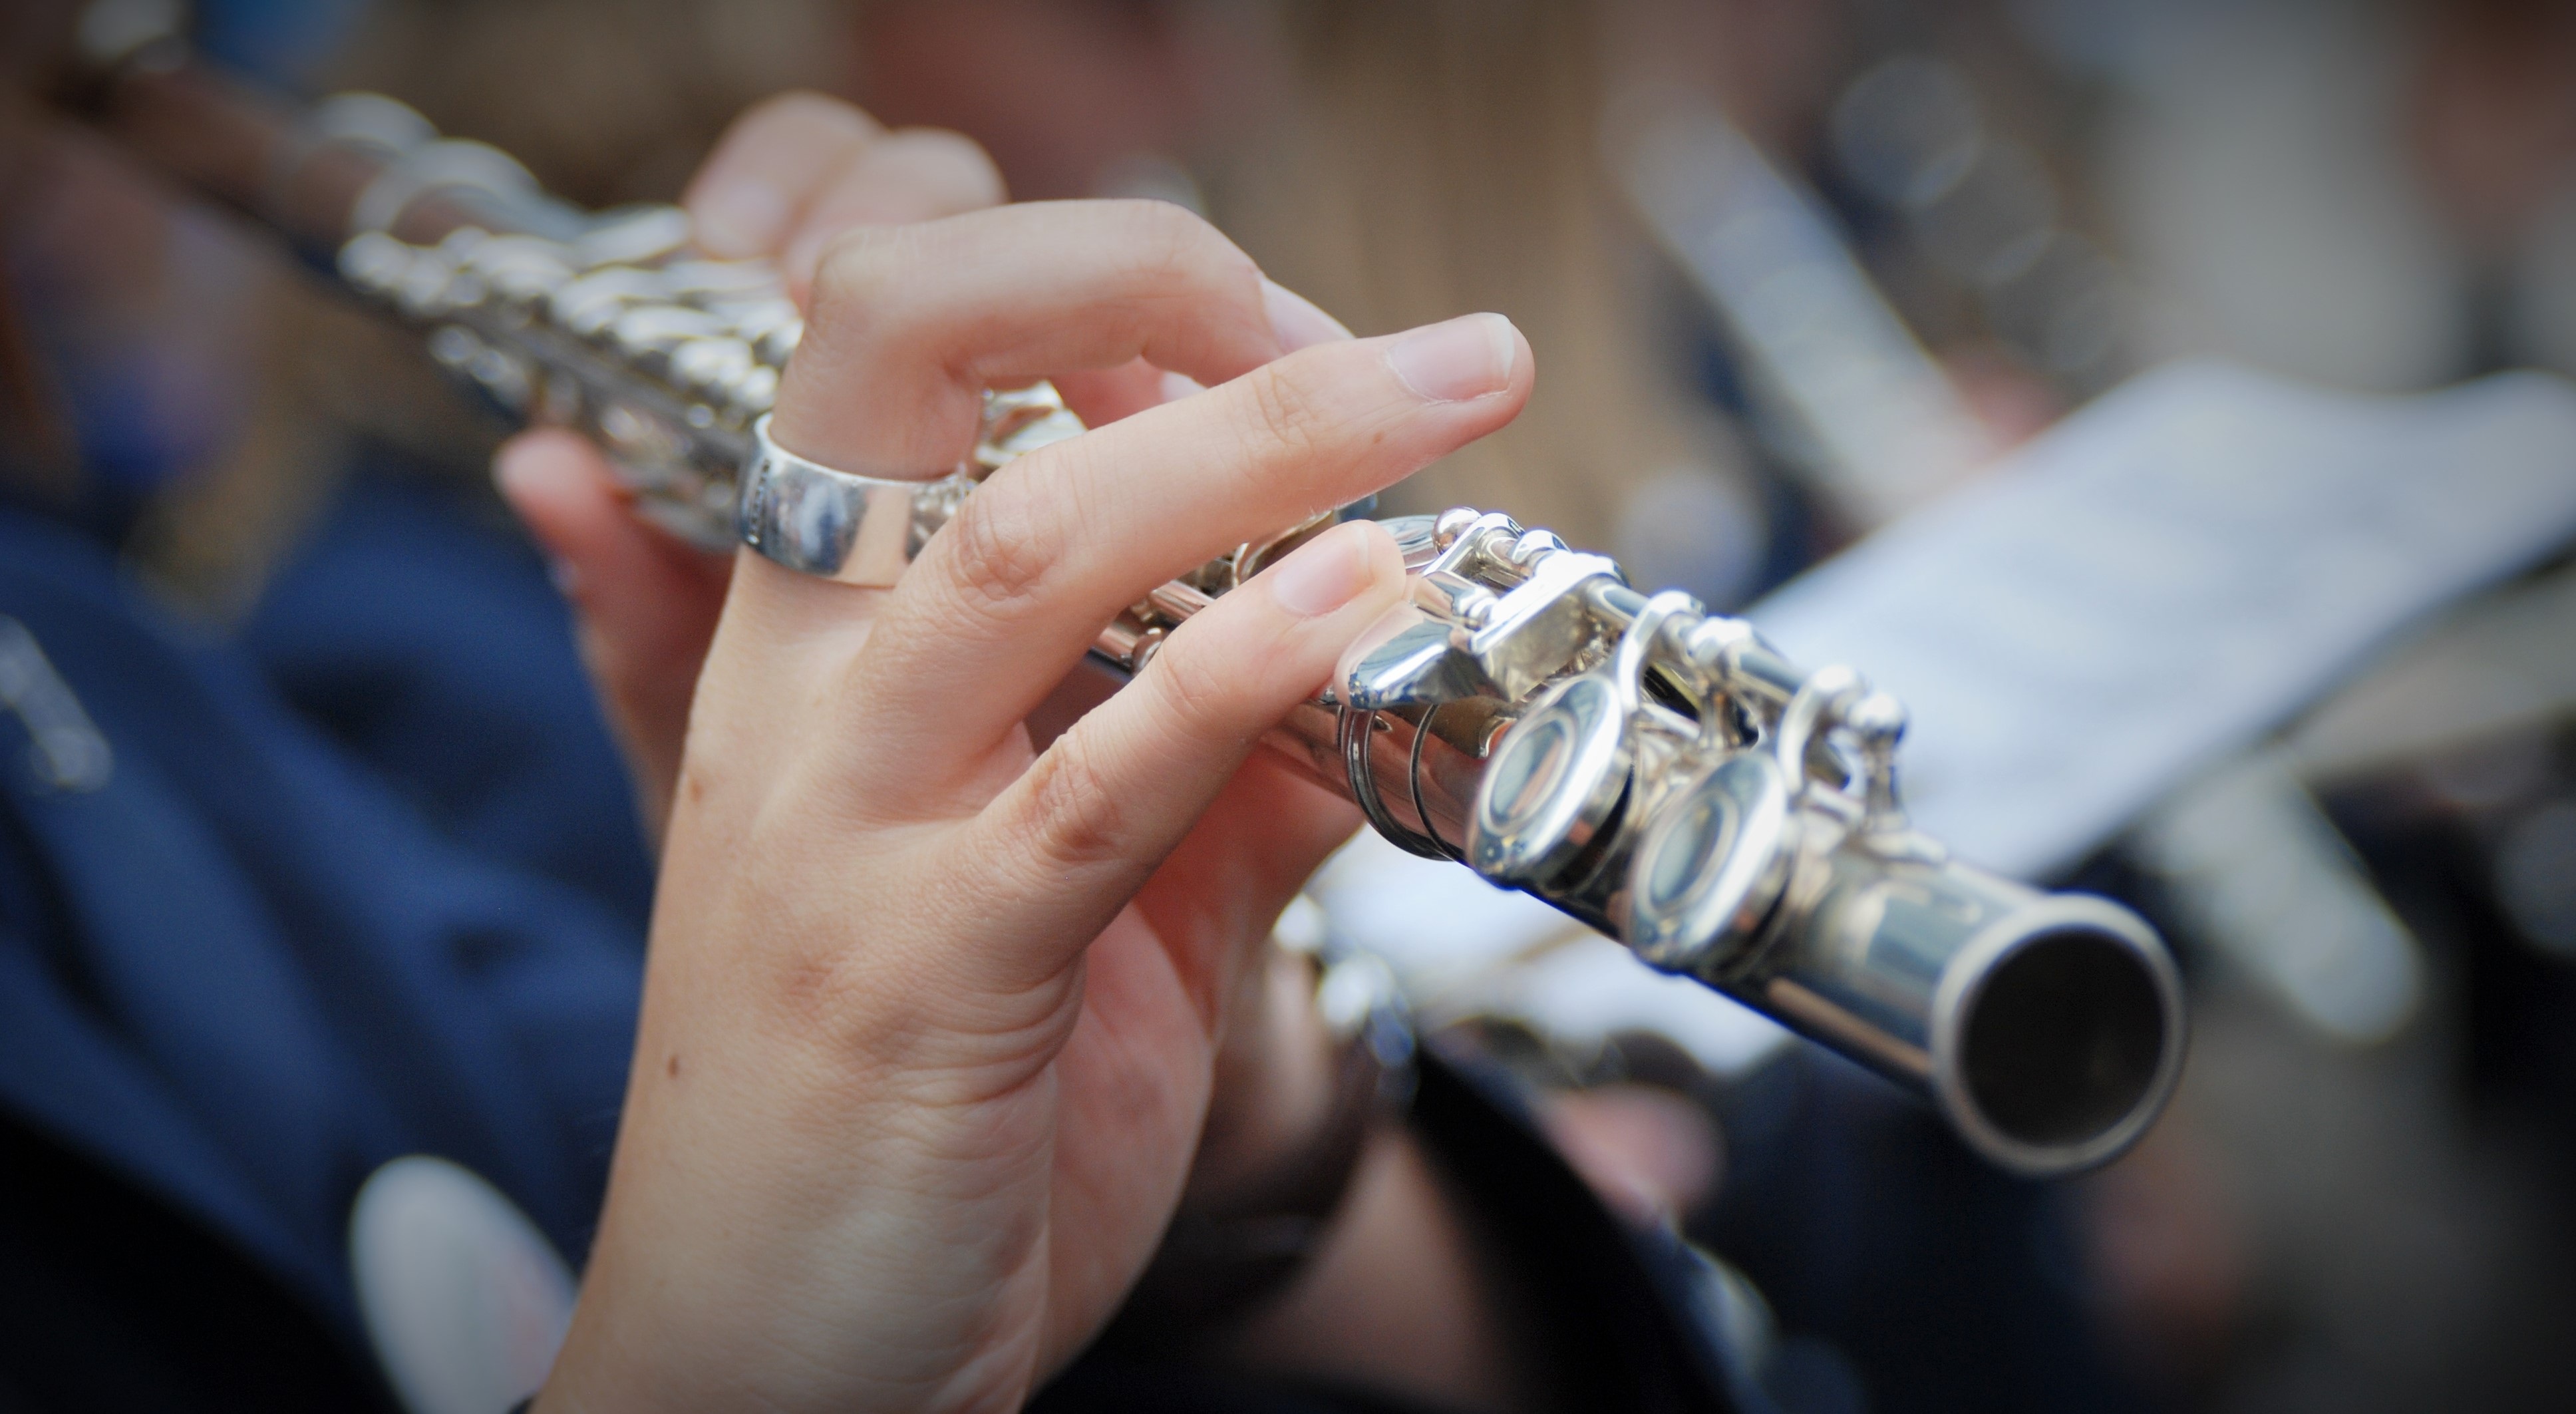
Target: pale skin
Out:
[936,1019]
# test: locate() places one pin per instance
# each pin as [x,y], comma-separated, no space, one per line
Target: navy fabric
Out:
[431,644]
[249,969]
[112,1301]
[1910,1276]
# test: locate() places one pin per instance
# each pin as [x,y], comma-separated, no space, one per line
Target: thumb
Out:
[645,605]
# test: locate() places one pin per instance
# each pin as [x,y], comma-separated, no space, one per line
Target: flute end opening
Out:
[2068,1048]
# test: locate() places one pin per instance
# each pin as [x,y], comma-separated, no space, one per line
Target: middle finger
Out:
[910,324]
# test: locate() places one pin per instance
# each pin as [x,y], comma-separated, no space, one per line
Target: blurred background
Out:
[1794,273]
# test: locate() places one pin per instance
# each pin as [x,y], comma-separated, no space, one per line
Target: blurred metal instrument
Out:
[1870,418]
[2257,871]
[1649,768]
[1875,425]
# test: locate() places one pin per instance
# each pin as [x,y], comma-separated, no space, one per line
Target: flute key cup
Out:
[1555,781]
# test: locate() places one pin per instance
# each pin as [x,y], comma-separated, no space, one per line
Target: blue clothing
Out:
[435,649]
[250,967]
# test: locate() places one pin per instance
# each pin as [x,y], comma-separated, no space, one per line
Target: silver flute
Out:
[1650,768]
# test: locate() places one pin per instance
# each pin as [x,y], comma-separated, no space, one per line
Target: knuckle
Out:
[1160,226]
[999,554]
[1079,821]
[857,266]
[1195,689]
[1174,243]
[1283,416]
[863,291]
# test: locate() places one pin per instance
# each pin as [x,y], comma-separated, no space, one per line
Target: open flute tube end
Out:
[2057,1036]
[2048,1029]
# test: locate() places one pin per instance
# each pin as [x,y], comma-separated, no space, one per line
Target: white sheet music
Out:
[2166,576]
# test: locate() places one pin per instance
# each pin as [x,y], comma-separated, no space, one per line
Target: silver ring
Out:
[855,529]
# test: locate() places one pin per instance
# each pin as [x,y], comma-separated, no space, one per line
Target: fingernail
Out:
[516,463]
[740,218]
[1177,386]
[1324,573]
[1294,319]
[1456,361]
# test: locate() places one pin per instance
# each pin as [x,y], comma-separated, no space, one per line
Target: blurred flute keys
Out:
[1653,770]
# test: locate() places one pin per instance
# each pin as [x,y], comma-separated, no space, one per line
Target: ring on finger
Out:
[867,530]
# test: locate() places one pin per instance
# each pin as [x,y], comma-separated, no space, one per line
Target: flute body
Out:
[1652,769]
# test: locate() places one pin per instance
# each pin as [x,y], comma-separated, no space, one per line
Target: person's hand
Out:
[930,1018]
[790,175]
